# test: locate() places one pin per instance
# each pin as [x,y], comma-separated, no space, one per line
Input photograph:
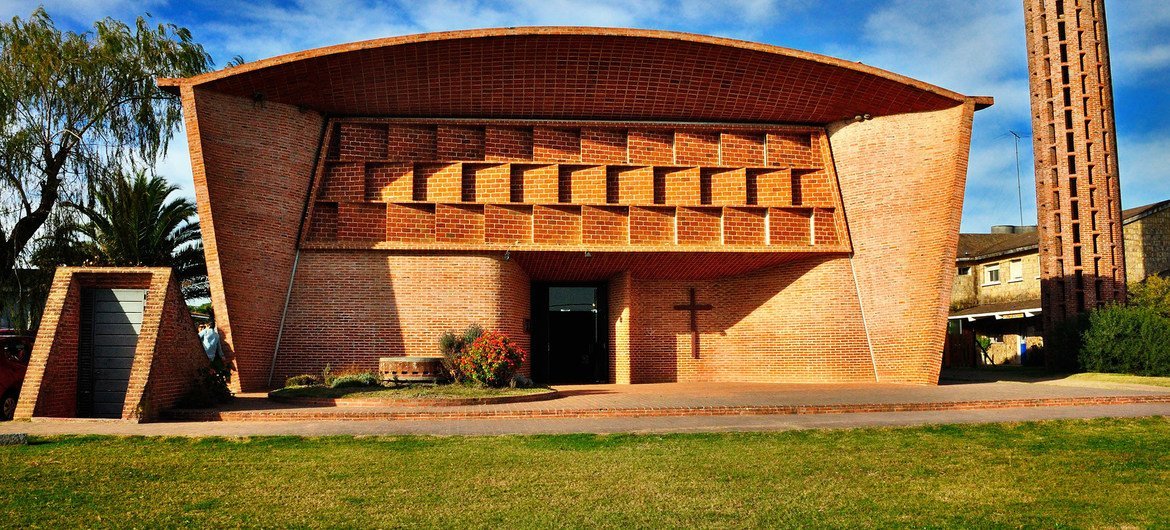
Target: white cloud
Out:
[79,12]
[1144,175]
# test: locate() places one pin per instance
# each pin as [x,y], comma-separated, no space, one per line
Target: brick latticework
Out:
[167,358]
[685,162]
[1078,196]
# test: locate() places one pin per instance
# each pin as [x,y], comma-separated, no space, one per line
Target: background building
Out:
[997,282]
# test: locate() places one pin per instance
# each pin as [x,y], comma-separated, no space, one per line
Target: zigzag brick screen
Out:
[391,184]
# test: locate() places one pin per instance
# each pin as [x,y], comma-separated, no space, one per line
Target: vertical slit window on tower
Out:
[1072,164]
[1076,228]
[1060,30]
[1067,97]
[1072,187]
[1064,53]
[1070,142]
[1075,210]
[1068,119]
[1060,8]
[1064,74]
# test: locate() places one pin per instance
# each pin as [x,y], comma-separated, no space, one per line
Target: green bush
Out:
[1127,339]
[454,346]
[358,379]
[302,380]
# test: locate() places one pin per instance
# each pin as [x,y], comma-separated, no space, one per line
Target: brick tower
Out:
[1078,198]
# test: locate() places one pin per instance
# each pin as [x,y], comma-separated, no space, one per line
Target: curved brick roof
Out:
[577,73]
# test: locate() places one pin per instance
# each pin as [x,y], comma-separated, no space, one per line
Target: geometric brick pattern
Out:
[1078,195]
[671,187]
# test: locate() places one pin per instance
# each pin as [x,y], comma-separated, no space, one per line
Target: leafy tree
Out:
[135,223]
[79,107]
[1152,293]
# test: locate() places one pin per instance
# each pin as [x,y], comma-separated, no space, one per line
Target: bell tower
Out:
[1078,198]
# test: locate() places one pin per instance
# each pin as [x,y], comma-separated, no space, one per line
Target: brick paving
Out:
[712,399]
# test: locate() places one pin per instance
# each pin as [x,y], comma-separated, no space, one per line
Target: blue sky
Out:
[973,47]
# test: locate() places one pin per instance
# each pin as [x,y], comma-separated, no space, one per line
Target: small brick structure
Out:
[411,369]
[360,200]
[166,359]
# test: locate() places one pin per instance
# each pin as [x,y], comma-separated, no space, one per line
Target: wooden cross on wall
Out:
[694,308]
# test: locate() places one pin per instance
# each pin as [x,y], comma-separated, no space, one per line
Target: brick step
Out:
[368,414]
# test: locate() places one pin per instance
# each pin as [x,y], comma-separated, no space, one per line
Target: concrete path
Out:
[687,407]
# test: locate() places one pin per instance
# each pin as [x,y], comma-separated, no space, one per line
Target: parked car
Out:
[14,352]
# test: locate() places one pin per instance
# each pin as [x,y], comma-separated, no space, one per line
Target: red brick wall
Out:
[559,145]
[902,180]
[651,147]
[797,322]
[603,146]
[743,149]
[620,292]
[508,143]
[50,381]
[556,224]
[389,182]
[410,222]
[605,224]
[348,308]
[361,222]
[412,142]
[699,226]
[699,148]
[508,223]
[242,151]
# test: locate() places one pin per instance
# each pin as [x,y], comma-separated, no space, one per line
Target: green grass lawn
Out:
[414,391]
[1121,378]
[1113,473]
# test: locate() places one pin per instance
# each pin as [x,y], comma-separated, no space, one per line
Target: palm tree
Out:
[134,224]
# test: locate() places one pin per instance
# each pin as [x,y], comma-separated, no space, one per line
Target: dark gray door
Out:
[110,322]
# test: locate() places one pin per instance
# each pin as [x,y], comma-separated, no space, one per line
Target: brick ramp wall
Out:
[902,180]
[252,164]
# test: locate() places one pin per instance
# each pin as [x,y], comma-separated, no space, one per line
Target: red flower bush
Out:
[491,359]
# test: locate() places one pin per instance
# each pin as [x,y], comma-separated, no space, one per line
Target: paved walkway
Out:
[676,407]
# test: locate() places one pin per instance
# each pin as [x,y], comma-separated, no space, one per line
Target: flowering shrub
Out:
[491,359]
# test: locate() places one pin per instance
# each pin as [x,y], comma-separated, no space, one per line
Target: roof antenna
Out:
[1019,187]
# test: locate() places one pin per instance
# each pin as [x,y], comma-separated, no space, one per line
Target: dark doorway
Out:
[108,336]
[569,333]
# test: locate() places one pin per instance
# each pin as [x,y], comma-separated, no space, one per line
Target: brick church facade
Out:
[632,206]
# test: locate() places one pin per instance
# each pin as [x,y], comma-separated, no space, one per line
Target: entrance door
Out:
[110,322]
[569,334]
